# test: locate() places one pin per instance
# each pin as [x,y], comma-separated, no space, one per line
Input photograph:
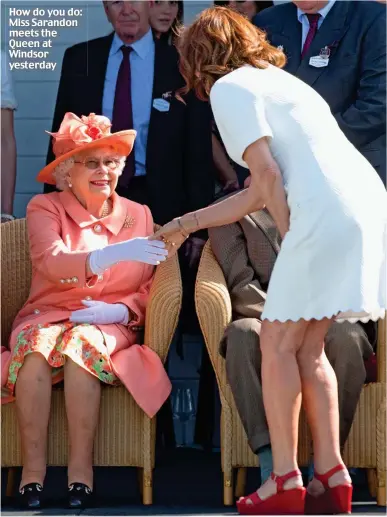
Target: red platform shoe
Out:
[334,500]
[284,502]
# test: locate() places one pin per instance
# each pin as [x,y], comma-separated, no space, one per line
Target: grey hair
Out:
[61,173]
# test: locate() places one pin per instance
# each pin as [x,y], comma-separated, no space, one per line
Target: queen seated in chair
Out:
[92,267]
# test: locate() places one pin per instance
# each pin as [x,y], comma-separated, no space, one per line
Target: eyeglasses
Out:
[94,164]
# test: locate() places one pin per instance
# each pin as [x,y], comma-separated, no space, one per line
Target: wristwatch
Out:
[8,217]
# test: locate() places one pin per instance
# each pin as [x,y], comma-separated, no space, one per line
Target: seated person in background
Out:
[92,270]
[246,252]
[165,18]
[8,143]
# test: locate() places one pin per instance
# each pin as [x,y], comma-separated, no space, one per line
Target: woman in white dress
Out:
[331,210]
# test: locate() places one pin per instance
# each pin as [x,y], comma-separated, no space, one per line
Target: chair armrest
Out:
[163,309]
[15,273]
[381,350]
[213,307]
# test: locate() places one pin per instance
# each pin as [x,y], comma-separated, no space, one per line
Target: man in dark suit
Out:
[246,252]
[339,48]
[172,170]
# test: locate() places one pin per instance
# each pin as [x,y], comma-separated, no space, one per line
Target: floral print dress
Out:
[84,344]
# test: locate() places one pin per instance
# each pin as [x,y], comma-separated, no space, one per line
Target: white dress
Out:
[332,262]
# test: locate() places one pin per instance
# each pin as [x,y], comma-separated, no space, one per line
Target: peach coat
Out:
[61,235]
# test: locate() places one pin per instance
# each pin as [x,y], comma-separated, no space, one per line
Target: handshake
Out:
[149,250]
[139,249]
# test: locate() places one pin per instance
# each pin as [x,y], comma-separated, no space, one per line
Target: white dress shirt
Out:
[303,19]
[142,60]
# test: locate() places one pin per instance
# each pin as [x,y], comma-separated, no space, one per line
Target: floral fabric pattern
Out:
[84,344]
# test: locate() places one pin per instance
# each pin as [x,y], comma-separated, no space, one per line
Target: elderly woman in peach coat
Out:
[92,269]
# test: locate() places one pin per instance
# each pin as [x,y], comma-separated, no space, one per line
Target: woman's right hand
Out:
[172,235]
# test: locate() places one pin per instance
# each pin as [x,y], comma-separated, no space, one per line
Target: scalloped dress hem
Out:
[350,315]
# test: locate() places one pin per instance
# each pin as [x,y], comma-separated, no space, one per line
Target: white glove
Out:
[139,249]
[101,313]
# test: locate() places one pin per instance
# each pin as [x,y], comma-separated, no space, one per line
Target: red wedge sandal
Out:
[334,500]
[284,502]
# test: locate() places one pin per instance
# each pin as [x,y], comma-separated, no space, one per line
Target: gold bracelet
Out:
[183,230]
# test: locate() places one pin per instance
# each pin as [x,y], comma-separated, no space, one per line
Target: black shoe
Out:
[30,495]
[79,495]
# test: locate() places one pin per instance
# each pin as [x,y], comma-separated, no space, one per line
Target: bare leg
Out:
[33,401]
[281,387]
[319,390]
[82,395]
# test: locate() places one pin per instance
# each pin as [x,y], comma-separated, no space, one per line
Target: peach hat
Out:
[77,134]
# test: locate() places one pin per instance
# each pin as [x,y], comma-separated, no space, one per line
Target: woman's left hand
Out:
[101,313]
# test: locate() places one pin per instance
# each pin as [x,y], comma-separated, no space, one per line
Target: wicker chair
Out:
[366,445]
[125,436]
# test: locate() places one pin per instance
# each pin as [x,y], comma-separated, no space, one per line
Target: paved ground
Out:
[168,511]
[165,511]
[186,482]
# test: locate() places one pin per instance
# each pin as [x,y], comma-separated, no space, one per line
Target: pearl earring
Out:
[70,184]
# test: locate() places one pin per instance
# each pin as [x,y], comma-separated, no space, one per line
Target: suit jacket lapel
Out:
[288,34]
[329,35]
[164,70]
[292,32]
[157,87]
[97,65]
[158,69]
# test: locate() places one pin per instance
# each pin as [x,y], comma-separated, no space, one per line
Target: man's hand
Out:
[7,217]
[230,186]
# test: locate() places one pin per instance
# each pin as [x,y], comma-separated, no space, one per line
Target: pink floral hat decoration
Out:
[78,134]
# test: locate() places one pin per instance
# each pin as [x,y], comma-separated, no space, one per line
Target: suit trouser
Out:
[346,346]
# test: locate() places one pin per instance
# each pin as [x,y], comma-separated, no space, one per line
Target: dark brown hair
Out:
[171,35]
[219,41]
[260,5]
